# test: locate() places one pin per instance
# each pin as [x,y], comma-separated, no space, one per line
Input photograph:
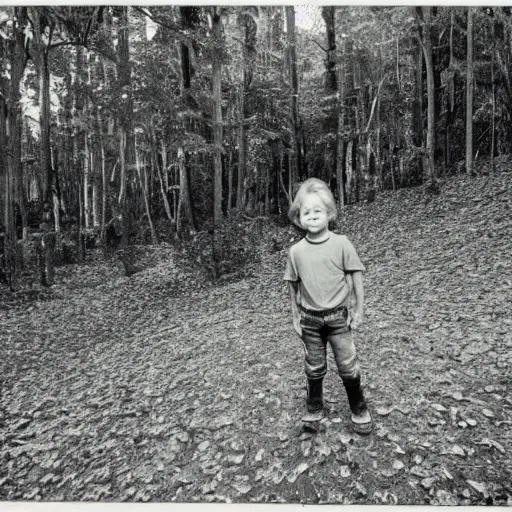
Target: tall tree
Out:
[292,66]
[43,31]
[249,27]
[125,130]
[217,128]
[185,223]
[17,58]
[469,95]
[331,88]
[424,15]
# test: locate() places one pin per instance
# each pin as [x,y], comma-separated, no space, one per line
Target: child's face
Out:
[313,214]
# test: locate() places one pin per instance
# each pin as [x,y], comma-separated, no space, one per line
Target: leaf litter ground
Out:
[164,387]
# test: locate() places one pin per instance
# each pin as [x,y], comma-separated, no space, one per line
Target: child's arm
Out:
[358,313]
[294,288]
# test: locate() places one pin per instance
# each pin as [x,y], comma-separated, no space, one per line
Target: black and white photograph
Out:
[256,254]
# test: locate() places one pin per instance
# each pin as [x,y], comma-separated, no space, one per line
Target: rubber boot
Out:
[355,394]
[315,399]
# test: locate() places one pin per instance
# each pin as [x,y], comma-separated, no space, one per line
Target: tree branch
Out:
[66,43]
[324,49]
[174,28]
[374,103]
[88,29]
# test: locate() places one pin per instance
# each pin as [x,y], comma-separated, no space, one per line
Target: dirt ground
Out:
[166,387]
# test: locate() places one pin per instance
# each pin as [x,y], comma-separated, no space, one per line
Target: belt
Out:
[324,312]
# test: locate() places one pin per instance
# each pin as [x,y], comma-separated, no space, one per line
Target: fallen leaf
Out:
[259,455]
[241,487]
[488,413]
[183,437]
[278,476]
[418,459]
[482,488]
[344,471]
[447,474]
[204,446]
[457,450]
[445,498]
[419,472]
[345,439]
[304,466]
[491,442]
[361,489]
[383,411]
[398,464]
[471,422]
[323,449]
[236,459]
[428,483]
[439,407]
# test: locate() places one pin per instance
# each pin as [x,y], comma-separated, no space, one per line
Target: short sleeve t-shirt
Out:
[320,269]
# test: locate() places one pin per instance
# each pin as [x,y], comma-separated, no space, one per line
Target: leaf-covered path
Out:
[164,387]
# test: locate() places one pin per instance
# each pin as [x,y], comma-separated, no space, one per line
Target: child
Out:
[321,271]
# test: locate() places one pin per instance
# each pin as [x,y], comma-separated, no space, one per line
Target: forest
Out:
[131,125]
[148,159]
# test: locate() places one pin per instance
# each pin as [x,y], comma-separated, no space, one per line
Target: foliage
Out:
[89,98]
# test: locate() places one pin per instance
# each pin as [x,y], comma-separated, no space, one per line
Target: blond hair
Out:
[312,186]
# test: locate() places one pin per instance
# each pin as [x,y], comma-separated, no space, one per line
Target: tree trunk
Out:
[427,52]
[4,183]
[340,157]
[230,183]
[80,232]
[96,216]
[417,107]
[87,203]
[40,50]
[44,101]
[143,186]
[292,63]
[378,154]
[183,211]
[349,171]
[103,177]
[493,120]
[331,87]
[330,61]
[164,180]
[126,139]
[450,97]
[189,19]
[469,95]
[217,136]
[249,61]
[399,85]
[17,62]
[242,157]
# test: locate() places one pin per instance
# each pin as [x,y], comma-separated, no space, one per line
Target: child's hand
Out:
[296,325]
[356,319]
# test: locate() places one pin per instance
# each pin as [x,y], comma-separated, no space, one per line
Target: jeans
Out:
[317,331]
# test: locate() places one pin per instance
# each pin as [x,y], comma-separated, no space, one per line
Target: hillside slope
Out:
[164,387]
